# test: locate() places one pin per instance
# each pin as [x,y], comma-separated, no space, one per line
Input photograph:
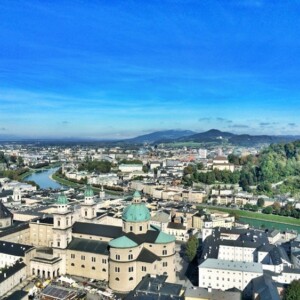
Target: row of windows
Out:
[104,261]
[131,228]
[117,269]
[209,284]
[118,279]
[228,279]
[130,257]
[83,266]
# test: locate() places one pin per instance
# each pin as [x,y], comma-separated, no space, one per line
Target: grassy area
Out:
[26,174]
[65,182]
[72,184]
[255,215]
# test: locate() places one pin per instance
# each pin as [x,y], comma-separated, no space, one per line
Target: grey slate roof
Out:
[14,248]
[90,246]
[173,225]
[6,193]
[4,212]
[97,229]
[222,264]
[155,288]
[147,256]
[11,271]
[264,286]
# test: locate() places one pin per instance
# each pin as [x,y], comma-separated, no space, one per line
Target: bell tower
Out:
[62,227]
[88,208]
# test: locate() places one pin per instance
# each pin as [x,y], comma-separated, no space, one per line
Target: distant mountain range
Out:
[210,136]
[166,135]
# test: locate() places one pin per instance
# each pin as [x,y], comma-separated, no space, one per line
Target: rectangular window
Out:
[72,255]
[93,259]
[82,257]
[144,269]
[130,269]
[117,269]
[130,256]
[117,257]
[103,260]
[141,228]
[165,264]
[164,252]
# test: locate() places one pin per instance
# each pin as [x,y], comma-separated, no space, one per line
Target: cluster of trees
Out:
[40,165]
[275,164]
[109,187]
[14,174]
[11,159]
[98,166]
[130,162]
[293,291]
[287,210]
[251,207]
[192,174]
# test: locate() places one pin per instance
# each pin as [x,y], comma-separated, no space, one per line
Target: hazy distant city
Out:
[149,150]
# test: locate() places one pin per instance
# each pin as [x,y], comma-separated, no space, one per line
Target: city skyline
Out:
[118,70]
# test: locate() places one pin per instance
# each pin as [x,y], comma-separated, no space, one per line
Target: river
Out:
[269,224]
[43,179]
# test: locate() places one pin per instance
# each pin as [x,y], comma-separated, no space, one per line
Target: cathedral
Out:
[63,245]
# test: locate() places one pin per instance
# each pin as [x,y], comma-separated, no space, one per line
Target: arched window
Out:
[72,264]
[117,279]
[93,268]
[131,278]
[82,266]
[103,270]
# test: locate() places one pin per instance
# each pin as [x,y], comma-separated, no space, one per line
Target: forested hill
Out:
[276,163]
[276,170]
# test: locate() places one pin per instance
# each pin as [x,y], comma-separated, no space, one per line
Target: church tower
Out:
[62,223]
[88,208]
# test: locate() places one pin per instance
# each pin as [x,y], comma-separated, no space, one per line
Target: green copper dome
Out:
[122,242]
[62,199]
[88,192]
[136,212]
[164,238]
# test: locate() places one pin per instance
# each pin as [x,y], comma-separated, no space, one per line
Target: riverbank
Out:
[32,171]
[72,184]
[255,215]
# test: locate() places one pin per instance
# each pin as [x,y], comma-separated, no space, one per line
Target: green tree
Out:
[191,248]
[268,210]
[200,166]
[260,202]
[293,291]
[188,170]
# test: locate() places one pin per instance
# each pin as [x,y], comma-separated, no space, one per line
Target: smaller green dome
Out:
[88,192]
[122,242]
[62,199]
[164,238]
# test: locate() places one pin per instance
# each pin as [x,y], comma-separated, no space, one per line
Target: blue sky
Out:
[123,68]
